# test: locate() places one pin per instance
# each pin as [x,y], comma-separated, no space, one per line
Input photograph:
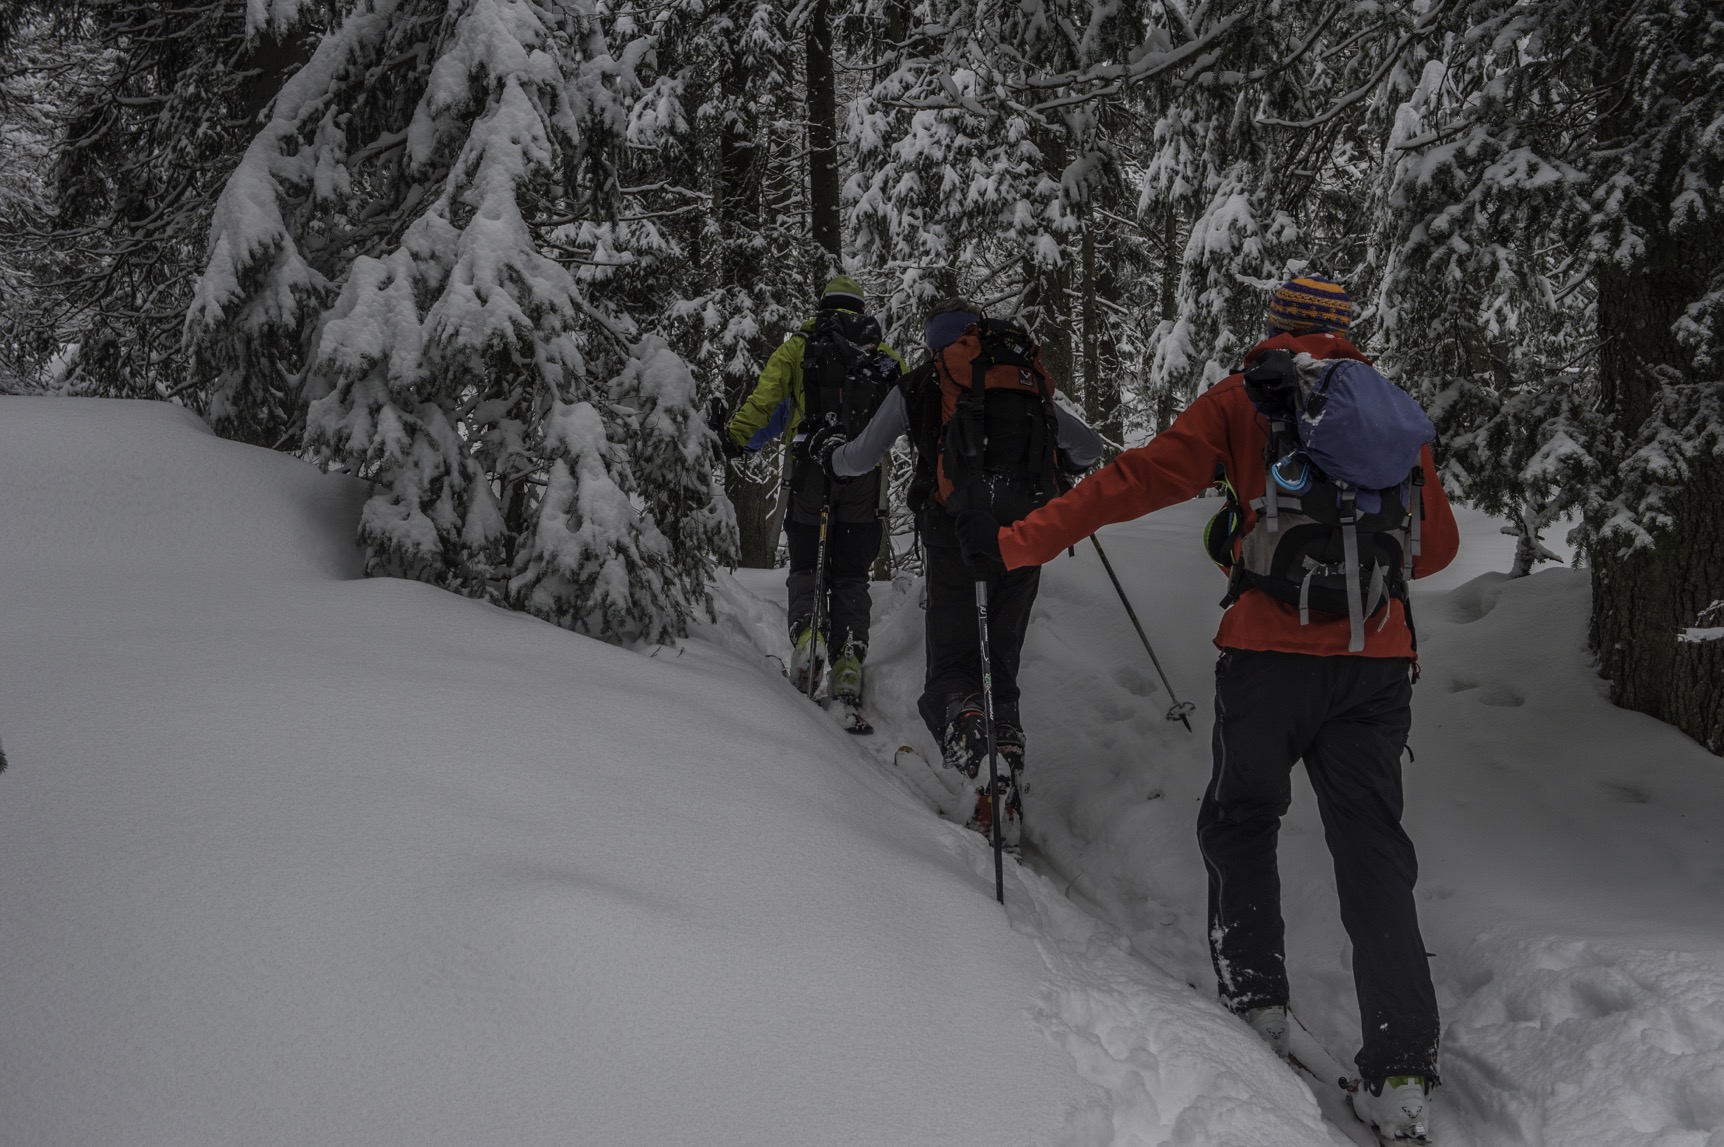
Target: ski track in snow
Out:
[1169,1064]
[1578,959]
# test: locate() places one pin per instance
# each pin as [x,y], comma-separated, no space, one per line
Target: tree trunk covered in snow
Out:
[752,486]
[1644,596]
[823,204]
[1102,366]
[1047,289]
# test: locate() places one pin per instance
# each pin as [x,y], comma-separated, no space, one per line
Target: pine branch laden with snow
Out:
[1264,155]
[1549,246]
[405,227]
[135,115]
[972,175]
[1517,214]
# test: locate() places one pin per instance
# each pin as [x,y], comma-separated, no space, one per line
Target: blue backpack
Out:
[1338,522]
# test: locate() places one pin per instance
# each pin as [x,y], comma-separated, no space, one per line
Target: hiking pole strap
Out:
[1179,707]
[996,803]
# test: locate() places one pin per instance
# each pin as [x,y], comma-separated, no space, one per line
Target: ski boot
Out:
[982,815]
[806,654]
[1270,1024]
[1009,740]
[1399,1108]
[964,746]
[845,681]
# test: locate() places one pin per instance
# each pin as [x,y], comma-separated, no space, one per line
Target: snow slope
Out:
[293,857]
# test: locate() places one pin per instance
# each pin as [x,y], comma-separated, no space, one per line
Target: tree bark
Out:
[752,487]
[1644,598]
[823,203]
[1101,375]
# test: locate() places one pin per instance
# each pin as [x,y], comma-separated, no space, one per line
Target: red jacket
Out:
[1222,428]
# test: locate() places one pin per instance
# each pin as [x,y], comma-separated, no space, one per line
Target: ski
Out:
[849,714]
[851,718]
[1011,832]
[1331,1085]
[1323,1074]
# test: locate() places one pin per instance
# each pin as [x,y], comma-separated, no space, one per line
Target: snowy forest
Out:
[498,258]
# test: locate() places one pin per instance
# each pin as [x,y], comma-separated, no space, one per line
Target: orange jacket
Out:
[1221,429]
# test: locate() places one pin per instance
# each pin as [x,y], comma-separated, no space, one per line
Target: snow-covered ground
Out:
[295,857]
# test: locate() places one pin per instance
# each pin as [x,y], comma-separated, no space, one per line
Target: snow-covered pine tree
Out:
[1581,149]
[28,93]
[387,265]
[147,108]
[718,161]
[1493,332]
[950,191]
[1259,157]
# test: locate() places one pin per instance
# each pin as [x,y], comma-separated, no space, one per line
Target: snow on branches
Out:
[390,270]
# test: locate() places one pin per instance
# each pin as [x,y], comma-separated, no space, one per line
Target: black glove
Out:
[822,444]
[979,541]
[720,425]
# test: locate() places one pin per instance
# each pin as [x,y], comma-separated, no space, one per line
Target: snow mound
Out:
[294,856]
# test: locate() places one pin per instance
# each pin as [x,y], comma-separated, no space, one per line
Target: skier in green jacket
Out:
[834,372]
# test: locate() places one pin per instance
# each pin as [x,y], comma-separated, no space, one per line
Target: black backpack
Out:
[845,374]
[987,432]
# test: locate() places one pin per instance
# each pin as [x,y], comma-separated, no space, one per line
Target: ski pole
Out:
[997,805]
[816,642]
[1181,710]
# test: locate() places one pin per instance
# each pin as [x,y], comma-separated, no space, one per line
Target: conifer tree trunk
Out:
[1101,384]
[1164,404]
[823,133]
[271,61]
[752,488]
[1642,600]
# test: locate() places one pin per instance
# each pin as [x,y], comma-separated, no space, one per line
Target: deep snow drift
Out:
[293,857]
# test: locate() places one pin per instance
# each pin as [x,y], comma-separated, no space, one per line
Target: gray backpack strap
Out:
[1350,565]
[1379,590]
[1311,568]
[1277,436]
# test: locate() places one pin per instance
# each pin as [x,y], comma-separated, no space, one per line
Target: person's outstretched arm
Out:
[1177,464]
[864,452]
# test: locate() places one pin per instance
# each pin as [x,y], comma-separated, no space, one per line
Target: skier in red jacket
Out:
[1288,689]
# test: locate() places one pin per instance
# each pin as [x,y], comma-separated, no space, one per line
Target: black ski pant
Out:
[954,639]
[1348,719]
[850,551]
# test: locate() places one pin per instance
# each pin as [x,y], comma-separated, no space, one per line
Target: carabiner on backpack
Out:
[1293,473]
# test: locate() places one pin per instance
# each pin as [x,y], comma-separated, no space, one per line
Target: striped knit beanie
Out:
[1309,304]
[844,293]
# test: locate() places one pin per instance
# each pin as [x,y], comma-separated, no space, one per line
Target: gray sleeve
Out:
[864,452]
[1082,446]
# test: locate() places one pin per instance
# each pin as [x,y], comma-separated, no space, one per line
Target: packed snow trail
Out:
[1171,1067]
[1570,850]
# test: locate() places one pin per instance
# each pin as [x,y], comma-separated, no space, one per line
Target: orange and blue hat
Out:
[1308,305]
